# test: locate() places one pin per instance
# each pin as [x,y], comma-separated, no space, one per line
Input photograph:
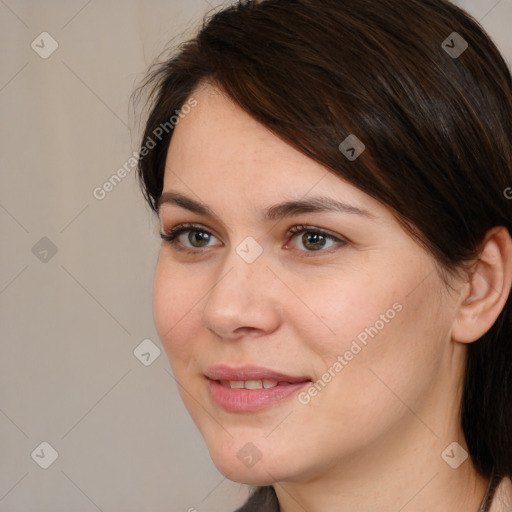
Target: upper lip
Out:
[245,373]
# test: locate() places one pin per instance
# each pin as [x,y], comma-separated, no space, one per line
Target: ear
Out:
[487,288]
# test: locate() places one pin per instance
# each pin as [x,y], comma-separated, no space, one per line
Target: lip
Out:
[223,372]
[248,400]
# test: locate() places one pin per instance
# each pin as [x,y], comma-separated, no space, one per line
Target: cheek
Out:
[388,344]
[337,315]
[176,298]
[365,330]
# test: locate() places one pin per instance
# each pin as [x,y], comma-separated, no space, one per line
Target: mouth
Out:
[253,384]
[250,389]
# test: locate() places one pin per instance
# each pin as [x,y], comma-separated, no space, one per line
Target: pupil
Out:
[313,241]
[198,238]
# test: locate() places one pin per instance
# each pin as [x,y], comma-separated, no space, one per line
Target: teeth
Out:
[251,384]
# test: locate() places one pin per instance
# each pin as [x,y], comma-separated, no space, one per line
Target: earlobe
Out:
[487,289]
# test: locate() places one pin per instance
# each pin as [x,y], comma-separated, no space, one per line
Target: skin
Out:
[372,438]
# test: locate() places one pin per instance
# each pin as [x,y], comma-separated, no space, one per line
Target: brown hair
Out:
[436,125]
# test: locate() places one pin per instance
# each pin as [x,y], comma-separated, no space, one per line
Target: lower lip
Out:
[247,400]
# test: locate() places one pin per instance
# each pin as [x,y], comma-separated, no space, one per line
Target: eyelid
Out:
[305,228]
[169,213]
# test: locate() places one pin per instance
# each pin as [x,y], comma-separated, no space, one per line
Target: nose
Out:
[243,300]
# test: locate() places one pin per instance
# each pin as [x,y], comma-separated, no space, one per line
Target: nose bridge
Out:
[242,295]
[244,270]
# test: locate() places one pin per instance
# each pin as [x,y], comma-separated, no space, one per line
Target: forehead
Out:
[218,134]
[217,150]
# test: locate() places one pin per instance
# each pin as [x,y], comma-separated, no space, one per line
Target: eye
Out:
[193,237]
[188,237]
[313,239]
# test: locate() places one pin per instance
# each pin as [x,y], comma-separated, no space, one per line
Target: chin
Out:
[243,465]
[251,479]
[248,476]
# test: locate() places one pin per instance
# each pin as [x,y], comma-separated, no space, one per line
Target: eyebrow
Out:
[317,204]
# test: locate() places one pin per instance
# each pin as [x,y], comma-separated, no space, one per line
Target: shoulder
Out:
[502,501]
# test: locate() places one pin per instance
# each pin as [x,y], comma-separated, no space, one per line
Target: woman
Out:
[333,285]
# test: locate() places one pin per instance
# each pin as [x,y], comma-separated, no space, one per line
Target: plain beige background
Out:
[76,271]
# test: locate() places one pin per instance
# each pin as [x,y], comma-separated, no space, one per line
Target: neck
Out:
[420,481]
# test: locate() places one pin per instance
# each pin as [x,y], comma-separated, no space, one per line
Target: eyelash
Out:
[171,236]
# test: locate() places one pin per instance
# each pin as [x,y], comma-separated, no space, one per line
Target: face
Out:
[276,271]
